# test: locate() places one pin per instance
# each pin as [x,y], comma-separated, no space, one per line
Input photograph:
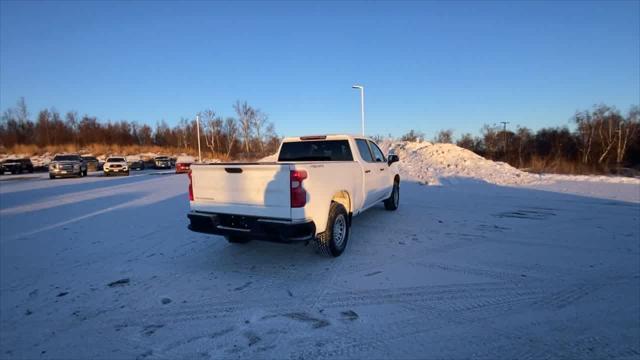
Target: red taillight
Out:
[190,187]
[298,194]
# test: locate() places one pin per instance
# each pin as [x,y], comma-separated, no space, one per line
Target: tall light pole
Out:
[361,104]
[198,132]
[504,134]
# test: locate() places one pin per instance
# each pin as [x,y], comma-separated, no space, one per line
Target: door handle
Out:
[382,169]
[367,171]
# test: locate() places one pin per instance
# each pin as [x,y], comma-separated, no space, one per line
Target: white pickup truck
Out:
[311,192]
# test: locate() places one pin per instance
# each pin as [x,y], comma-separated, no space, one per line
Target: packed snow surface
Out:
[105,268]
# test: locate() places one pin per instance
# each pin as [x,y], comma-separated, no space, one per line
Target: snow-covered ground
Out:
[105,268]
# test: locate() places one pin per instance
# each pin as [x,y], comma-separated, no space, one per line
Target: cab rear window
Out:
[317,150]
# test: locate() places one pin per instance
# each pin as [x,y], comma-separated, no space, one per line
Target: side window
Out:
[363,149]
[377,153]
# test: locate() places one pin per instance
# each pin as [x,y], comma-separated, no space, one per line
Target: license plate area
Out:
[237,222]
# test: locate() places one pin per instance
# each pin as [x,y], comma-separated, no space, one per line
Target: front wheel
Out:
[84,173]
[334,239]
[393,201]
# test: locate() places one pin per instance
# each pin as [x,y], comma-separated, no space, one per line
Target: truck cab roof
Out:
[324,137]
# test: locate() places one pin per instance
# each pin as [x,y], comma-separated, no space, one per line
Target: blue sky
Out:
[425,65]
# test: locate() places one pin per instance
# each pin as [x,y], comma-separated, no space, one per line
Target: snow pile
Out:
[270,158]
[432,163]
[186,159]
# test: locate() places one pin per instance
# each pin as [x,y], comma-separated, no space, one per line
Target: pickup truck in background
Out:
[64,165]
[311,192]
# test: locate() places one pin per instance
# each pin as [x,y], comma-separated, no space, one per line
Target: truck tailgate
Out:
[247,189]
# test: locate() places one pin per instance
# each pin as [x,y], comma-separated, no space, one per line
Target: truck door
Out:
[384,176]
[370,179]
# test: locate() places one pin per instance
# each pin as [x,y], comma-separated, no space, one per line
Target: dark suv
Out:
[162,162]
[92,163]
[17,166]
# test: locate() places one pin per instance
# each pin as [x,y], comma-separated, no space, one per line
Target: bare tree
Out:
[523,139]
[72,123]
[627,129]
[606,120]
[586,132]
[490,139]
[231,131]
[259,120]
[413,135]
[183,132]
[444,137]
[212,129]
[22,114]
[246,115]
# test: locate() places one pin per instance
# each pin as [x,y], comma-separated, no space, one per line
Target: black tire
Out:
[393,201]
[334,239]
[237,239]
[126,174]
[51,176]
[84,173]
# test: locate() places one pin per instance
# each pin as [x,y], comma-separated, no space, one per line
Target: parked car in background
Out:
[92,163]
[17,166]
[135,163]
[116,165]
[162,162]
[183,164]
[64,165]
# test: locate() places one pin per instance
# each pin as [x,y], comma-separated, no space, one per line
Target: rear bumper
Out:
[251,227]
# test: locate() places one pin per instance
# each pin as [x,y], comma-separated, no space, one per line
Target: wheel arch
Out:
[343,198]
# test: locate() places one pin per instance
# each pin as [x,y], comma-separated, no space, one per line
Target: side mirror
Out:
[392,158]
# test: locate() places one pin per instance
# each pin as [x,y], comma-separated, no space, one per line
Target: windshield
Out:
[115,159]
[67,158]
[323,150]
[162,158]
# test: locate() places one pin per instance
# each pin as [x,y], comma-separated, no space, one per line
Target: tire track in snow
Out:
[66,199]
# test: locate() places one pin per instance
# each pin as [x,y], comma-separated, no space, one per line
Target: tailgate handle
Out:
[233,170]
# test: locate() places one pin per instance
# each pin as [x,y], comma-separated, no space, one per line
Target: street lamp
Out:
[361,104]
[198,132]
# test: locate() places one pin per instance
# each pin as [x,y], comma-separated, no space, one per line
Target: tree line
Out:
[248,134]
[603,139]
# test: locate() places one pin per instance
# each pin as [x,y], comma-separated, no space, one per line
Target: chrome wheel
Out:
[339,230]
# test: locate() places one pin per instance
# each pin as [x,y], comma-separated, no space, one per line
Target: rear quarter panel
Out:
[324,181]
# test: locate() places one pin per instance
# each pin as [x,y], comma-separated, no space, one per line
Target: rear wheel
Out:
[237,239]
[334,240]
[51,176]
[84,173]
[393,201]
[126,174]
